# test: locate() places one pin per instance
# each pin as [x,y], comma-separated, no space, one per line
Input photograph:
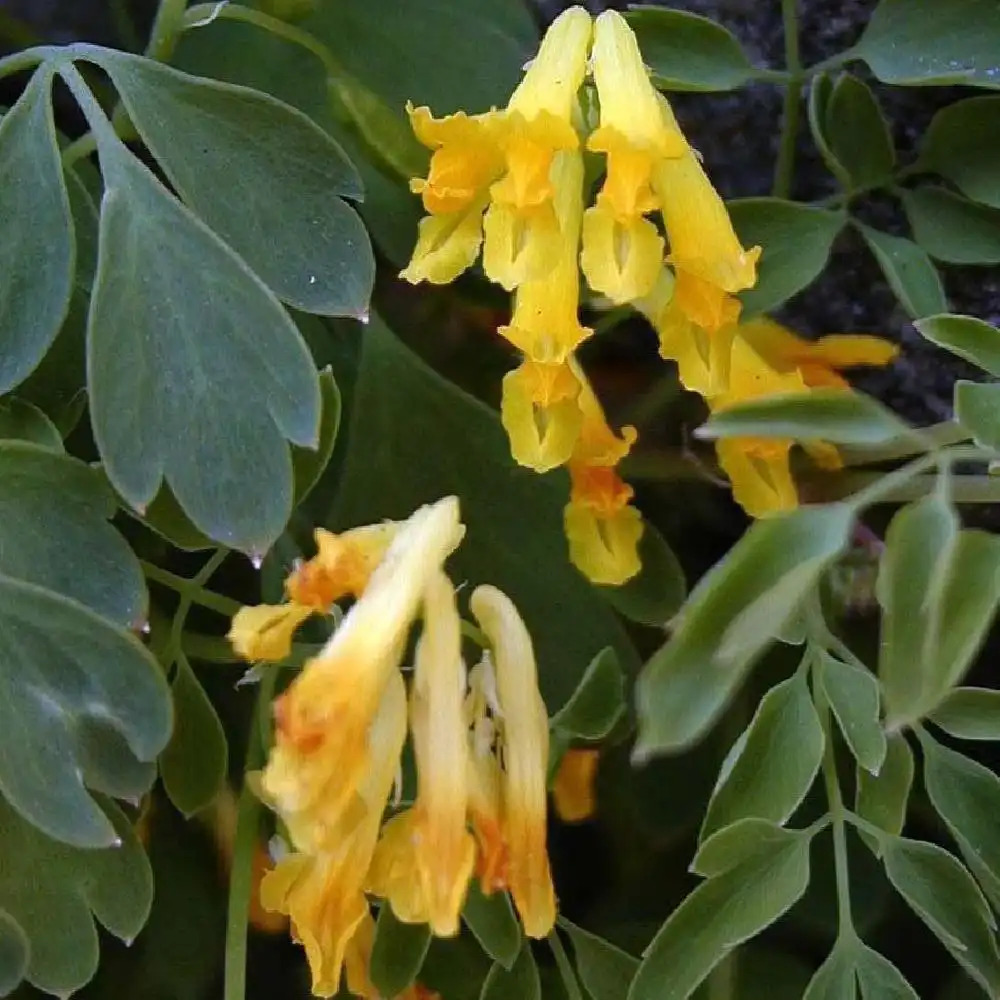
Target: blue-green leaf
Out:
[909,271]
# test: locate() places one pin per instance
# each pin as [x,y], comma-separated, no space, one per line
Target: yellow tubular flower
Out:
[342,565]
[444,849]
[545,325]
[758,468]
[540,413]
[598,444]
[525,759]
[523,226]
[323,891]
[602,529]
[819,361]
[321,747]
[573,790]
[264,631]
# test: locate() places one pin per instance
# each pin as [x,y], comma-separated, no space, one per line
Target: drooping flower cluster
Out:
[480,742]
[657,237]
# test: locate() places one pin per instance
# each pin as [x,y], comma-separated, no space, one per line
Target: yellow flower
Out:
[430,852]
[602,529]
[540,413]
[545,324]
[573,790]
[264,631]
[504,162]
[758,468]
[597,444]
[321,750]
[525,750]
[322,891]
[702,357]
[819,361]
[342,565]
[651,166]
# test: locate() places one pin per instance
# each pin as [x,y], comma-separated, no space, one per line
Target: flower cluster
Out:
[511,182]
[480,741]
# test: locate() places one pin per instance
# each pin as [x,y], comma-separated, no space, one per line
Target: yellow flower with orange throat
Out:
[340,729]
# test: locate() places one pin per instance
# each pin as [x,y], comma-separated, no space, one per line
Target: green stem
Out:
[204,13]
[225,606]
[193,587]
[167,28]
[785,167]
[963,489]
[244,845]
[477,635]
[838,815]
[565,966]
[930,438]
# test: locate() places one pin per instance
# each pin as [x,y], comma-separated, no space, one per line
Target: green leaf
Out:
[951,228]
[858,133]
[853,694]
[520,981]
[967,797]
[166,517]
[909,271]
[773,764]
[977,409]
[433,440]
[491,919]
[836,415]
[598,701]
[654,594]
[398,952]
[23,421]
[968,337]
[880,979]
[14,954]
[914,567]
[215,377]
[935,42]
[54,532]
[308,463]
[796,241]
[963,144]
[734,613]
[689,52]
[81,703]
[258,172]
[836,978]
[54,892]
[738,843]
[37,254]
[820,91]
[193,765]
[881,798]
[943,894]
[605,970]
[969,713]
[718,916]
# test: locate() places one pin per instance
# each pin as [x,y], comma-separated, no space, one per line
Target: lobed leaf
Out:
[184,338]
[909,271]
[934,42]
[47,932]
[796,241]
[397,954]
[493,923]
[969,713]
[853,694]
[688,52]
[719,915]
[520,980]
[977,409]
[598,701]
[951,228]
[260,173]
[23,421]
[605,970]
[738,843]
[858,133]
[968,337]
[37,253]
[882,798]
[734,613]
[773,764]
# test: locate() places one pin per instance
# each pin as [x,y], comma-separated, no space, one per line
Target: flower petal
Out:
[620,259]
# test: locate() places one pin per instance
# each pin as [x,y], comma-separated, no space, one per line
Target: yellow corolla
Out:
[321,749]
[264,631]
[524,737]
[819,361]
[426,855]
[650,166]
[540,412]
[322,891]
[573,789]
[504,163]
[545,324]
